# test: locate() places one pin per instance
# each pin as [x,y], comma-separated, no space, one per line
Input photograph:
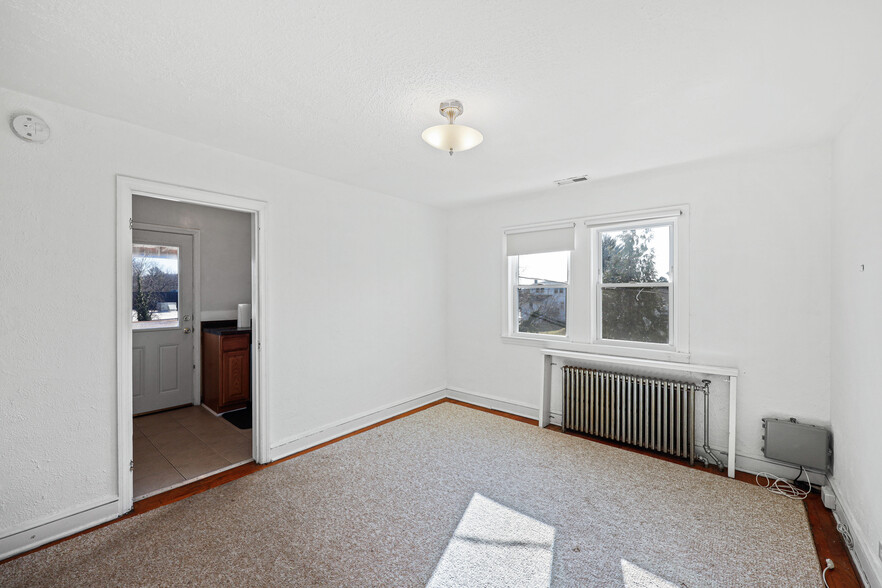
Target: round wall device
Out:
[30,128]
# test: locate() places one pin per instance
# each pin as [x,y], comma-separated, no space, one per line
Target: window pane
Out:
[543,268]
[542,310]
[154,286]
[636,255]
[635,314]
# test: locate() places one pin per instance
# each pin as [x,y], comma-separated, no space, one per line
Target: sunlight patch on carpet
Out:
[636,577]
[494,545]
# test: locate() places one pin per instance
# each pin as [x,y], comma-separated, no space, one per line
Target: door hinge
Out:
[194,366]
[258,343]
[131,224]
[131,465]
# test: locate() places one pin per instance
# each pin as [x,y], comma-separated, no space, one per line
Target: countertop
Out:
[224,328]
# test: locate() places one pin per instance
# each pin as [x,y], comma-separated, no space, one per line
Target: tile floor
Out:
[183,444]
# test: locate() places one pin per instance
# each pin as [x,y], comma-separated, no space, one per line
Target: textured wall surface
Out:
[760,234]
[559,88]
[856,403]
[355,300]
[225,239]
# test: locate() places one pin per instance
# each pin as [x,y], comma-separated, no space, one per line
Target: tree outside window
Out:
[154,283]
[635,284]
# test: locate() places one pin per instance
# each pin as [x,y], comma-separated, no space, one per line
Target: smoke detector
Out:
[30,128]
[571,180]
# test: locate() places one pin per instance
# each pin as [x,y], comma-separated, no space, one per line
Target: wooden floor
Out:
[828,541]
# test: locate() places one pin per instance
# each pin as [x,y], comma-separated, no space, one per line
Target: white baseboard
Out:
[864,552]
[754,465]
[496,403]
[744,463]
[302,441]
[33,534]
[36,533]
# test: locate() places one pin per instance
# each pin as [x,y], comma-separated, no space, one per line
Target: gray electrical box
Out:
[798,444]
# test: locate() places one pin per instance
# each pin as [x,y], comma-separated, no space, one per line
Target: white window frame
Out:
[583,288]
[512,305]
[597,285]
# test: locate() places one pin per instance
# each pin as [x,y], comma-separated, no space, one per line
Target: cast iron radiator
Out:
[646,412]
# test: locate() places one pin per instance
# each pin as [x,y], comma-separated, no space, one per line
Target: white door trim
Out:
[126,187]
[197,297]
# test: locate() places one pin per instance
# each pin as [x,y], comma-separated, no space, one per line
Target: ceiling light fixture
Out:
[452,137]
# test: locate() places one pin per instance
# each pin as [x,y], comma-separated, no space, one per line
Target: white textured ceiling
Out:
[559,88]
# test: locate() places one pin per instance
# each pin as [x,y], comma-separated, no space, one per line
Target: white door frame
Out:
[126,187]
[197,297]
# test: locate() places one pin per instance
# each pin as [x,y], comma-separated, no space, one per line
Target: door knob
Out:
[187,331]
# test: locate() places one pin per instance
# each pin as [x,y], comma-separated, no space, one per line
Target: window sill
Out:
[614,350]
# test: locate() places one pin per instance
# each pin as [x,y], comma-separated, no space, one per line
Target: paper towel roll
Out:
[244,316]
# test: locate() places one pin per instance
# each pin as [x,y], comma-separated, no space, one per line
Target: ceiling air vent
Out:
[572,180]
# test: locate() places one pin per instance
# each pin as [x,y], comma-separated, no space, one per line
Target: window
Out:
[154,286]
[634,285]
[615,284]
[539,274]
[542,293]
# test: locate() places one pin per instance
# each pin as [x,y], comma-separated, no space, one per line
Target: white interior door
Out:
[162,320]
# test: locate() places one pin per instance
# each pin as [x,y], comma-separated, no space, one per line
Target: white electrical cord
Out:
[829,567]
[777,485]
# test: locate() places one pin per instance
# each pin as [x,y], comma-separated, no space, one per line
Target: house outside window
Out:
[542,281]
[538,269]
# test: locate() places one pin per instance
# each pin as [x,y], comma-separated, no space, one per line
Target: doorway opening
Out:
[190,372]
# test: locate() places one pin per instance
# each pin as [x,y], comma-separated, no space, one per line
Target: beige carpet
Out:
[451,496]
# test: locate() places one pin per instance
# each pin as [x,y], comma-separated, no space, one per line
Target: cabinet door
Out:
[211,371]
[235,377]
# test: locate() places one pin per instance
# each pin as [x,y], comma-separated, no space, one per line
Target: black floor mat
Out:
[240,418]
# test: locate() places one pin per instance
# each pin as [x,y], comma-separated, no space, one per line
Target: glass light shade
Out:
[452,137]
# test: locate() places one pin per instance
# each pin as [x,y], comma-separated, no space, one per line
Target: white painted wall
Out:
[372,300]
[355,300]
[225,239]
[856,401]
[760,254]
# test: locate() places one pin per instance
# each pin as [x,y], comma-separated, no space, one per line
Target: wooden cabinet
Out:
[226,369]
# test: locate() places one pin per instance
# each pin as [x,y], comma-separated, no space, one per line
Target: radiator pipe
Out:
[564,374]
[706,447]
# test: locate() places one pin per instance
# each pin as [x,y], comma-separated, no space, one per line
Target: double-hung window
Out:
[633,285]
[615,284]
